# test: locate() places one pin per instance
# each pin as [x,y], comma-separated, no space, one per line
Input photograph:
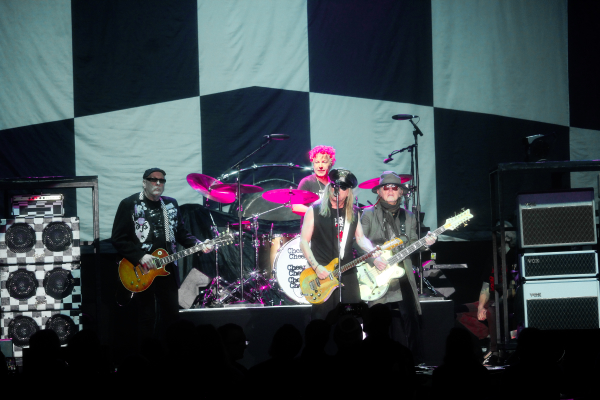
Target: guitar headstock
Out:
[390,244]
[457,220]
[225,238]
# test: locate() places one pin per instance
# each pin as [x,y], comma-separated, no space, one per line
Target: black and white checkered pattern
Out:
[39,208]
[41,300]
[39,254]
[40,317]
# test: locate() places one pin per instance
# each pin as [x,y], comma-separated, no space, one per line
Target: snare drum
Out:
[269,246]
[289,264]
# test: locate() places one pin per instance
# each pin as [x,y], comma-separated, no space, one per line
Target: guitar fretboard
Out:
[412,248]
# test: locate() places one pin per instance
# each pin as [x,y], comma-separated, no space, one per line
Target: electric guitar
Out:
[316,290]
[136,281]
[373,283]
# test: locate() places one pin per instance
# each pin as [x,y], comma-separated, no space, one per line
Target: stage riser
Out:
[260,324]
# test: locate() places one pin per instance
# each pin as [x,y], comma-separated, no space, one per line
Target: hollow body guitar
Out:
[317,291]
[374,284]
[135,281]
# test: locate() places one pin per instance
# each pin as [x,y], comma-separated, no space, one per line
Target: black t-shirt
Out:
[311,184]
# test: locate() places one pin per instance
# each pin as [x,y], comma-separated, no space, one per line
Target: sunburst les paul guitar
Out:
[136,281]
[374,283]
[316,290]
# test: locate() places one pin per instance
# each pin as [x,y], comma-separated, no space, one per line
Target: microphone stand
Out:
[339,243]
[417,196]
[241,212]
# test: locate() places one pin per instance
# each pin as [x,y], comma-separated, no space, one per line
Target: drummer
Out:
[322,159]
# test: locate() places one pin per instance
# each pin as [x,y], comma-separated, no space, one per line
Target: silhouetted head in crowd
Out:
[234,339]
[378,320]
[45,343]
[347,332]
[179,335]
[286,343]
[460,347]
[316,334]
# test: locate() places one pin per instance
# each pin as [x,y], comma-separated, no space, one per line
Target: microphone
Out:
[402,117]
[277,136]
[387,160]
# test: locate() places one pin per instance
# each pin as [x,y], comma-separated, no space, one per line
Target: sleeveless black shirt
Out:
[324,242]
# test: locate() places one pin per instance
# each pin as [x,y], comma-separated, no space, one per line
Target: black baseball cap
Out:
[151,170]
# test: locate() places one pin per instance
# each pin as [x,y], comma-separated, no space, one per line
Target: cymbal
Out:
[232,188]
[203,184]
[371,183]
[294,196]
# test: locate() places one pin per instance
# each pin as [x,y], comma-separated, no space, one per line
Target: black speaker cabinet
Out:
[568,264]
[39,240]
[20,326]
[562,304]
[40,287]
[565,218]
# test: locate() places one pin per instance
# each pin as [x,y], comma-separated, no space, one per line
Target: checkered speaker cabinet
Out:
[568,264]
[39,240]
[562,304]
[565,218]
[19,326]
[40,287]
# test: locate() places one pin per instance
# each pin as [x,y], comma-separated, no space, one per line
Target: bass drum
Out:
[289,264]
[254,203]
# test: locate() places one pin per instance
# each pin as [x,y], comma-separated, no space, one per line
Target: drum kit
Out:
[274,279]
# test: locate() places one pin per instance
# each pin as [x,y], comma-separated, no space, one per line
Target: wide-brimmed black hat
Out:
[151,170]
[388,178]
[344,178]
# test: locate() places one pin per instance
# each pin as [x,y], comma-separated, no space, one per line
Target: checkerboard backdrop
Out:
[110,88]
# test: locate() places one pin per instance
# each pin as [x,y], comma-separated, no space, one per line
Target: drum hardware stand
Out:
[237,167]
[213,227]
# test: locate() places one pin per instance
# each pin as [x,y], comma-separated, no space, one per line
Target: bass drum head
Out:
[289,264]
[254,203]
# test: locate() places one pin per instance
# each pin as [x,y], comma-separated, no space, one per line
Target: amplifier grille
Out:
[558,225]
[559,264]
[563,313]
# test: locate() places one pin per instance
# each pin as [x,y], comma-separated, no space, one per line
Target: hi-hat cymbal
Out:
[371,183]
[294,196]
[232,188]
[203,185]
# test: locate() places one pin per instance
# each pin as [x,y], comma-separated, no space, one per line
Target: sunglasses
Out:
[395,188]
[154,180]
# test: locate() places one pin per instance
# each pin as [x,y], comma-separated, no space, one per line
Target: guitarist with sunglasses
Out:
[320,237]
[381,222]
[144,222]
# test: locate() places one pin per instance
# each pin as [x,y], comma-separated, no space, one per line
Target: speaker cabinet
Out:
[20,326]
[562,304]
[39,240]
[40,287]
[569,264]
[557,218]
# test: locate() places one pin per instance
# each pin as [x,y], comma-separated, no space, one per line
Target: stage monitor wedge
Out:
[559,218]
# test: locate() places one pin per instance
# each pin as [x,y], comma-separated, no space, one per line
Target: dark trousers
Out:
[156,308]
[350,294]
[406,326]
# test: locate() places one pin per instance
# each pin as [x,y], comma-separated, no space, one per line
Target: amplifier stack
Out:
[40,286]
[561,288]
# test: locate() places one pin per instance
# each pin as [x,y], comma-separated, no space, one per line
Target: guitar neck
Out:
[412,248]
[356,261]
[180,254]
